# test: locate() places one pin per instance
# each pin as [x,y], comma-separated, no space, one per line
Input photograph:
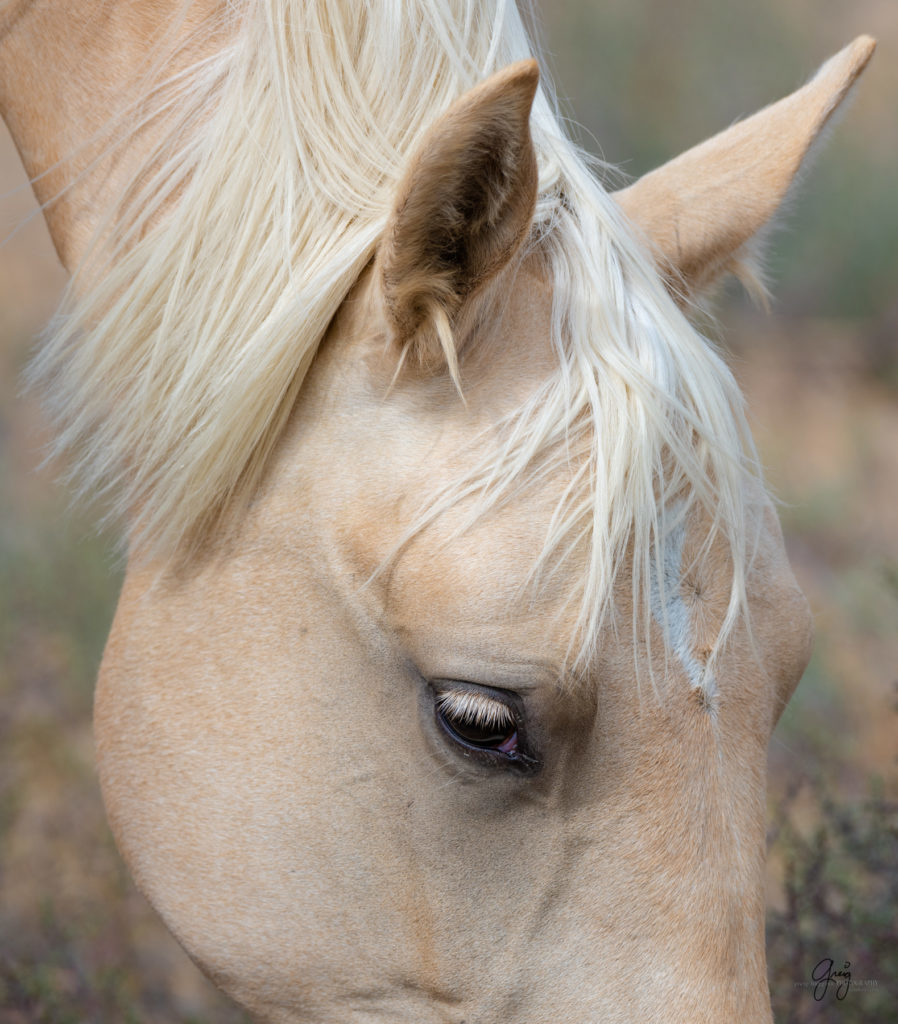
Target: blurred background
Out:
[641,80]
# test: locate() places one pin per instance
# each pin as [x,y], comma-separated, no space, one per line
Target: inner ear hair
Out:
[460,216]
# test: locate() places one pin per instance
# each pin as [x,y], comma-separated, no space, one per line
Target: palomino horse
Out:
[457,620]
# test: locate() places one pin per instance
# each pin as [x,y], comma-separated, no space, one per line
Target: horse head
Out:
[461,711]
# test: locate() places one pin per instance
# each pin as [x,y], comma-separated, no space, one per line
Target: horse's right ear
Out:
[701,211]
[460,213]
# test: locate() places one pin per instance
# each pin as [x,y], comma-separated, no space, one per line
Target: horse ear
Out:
[460,212]
[701,211]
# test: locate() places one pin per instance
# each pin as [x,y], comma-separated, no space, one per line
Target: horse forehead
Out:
[458,576]
[478,585]
[382,439]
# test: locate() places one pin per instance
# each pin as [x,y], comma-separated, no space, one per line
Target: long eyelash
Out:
[474,709]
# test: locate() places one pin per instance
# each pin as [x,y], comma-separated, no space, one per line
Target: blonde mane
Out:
[173,375]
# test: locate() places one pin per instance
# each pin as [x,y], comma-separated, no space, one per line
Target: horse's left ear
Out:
[460,213]
[700,211]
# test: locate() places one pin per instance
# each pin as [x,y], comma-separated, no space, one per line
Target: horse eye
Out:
[484,727]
